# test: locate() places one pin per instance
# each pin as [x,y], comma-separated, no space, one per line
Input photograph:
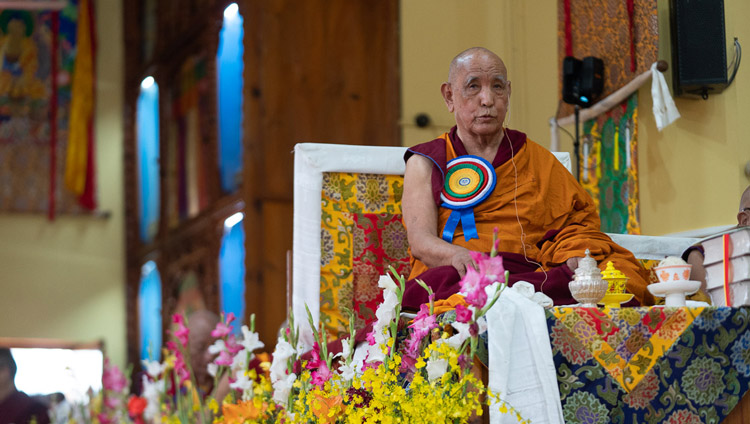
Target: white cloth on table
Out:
[521,369]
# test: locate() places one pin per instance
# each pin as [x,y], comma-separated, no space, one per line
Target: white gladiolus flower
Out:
[375,353]
[153,368]
[385,315]
[345,349]
[250,339]
[347,372]
[218,347]
[243,383]
[387,310]
[212,369]
[458,339]
[281,355]
[436,368]
[240,360]
[152,391]
[387,283]
[282,388]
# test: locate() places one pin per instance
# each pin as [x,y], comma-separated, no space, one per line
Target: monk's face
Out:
[743,217]
[478,95]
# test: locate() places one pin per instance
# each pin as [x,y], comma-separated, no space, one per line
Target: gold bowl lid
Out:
[610,273]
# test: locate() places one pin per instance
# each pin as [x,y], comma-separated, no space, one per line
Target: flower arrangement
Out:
[426,378]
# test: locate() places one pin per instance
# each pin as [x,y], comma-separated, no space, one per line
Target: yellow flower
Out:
[213,405]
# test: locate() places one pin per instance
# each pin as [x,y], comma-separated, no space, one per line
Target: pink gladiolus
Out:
[111,402]
[320,376]
[474,282]
[180,368]
[423,323]
[490,268]
[315,362]
[408,363]
[371,338]
[464,362]
[495,240]
[232,346]
[112,378]
[182,332]
[473,285]
[223,328]
[225,358]
[463,314]
[322,373]
[105,419]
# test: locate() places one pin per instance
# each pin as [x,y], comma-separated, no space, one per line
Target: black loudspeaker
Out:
[699,59]
[592,79]
[571,88]
[583,81]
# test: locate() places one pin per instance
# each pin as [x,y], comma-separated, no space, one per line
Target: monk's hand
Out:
[462,261]
[572,263]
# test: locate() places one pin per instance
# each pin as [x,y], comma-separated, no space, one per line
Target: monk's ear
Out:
[743,219]
[509,90]
[447,91]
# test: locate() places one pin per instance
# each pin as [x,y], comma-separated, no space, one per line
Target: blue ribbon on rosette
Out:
[469,180]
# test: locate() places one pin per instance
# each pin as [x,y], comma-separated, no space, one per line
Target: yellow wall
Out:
[691,174]
[65,279]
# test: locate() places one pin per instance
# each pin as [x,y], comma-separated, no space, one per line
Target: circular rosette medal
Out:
[468,181]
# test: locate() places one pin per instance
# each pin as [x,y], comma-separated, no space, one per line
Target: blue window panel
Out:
[232,269]
[147,116]
[229,81]
[149,312]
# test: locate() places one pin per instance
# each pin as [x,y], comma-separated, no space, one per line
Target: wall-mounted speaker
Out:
[571,77]
[583,80]
[592,78]
[699,59]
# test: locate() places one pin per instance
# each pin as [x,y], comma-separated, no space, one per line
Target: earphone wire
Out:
[518,218]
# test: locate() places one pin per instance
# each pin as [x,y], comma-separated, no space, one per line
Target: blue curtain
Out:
[232,271]
[147,116]
[149,312]
[229,74]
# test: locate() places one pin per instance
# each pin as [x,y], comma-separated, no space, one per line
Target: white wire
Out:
[518,218]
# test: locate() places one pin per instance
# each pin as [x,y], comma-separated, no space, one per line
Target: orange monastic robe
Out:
[540,210]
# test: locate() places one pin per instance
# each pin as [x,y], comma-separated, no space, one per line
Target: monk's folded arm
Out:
[421,219]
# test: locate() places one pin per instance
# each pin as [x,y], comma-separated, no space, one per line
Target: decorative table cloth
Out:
[650,365]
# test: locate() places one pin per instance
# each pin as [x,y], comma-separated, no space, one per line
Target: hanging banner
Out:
[609,166]
[38,50]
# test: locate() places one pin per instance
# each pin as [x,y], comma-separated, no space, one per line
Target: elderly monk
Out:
[546,221]
[694,255]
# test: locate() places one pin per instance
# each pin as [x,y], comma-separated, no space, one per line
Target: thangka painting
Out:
[187,150]
[609,166]
[38,52]
[361,235]
[623,33]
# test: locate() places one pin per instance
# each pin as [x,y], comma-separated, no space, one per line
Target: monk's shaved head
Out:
[467,55]
[745,199]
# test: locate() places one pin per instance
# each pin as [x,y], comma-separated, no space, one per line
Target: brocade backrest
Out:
[347,230]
